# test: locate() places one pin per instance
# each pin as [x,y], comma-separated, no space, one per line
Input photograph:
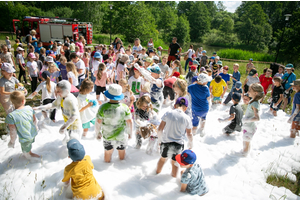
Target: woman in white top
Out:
[150,44]
[190,52]
[137,48]
[72,74]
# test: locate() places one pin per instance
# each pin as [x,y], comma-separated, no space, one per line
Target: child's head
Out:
[42,51]
[125,86]
[212,59]
[70,67]
[63,88]
[236,67]
[127,51]
[76,48]
[176,63]
[155,71]
[86,86]
[75,150]
[63,60]
[137,73]
[4,48]
[7,70]
[114,93]
[203,79]
[148,61]
[182,103]
[281,69]
[250,60]
[277,81]
[218,79]
[156,59]
[143,50]
[289,68]
[86,54]
[31,57]
[296,85]
[225,69]
[17,98]
[186,159]
[236,98]
[253,73]
[74,57]
[144,103]
[164,60]
[110,60]
[52,68]
[17,41]
[256,91]
[54,48]
[193,68]
[203,52]
[209,72]
[180,87]
[124,58]
[238,85]
[40,44]
[20,50]
[7,37]
[246,98]
[268,72]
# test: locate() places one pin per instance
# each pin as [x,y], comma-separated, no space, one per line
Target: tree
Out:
[63,12]
[227,25]
[167,21]
[220,6]
[182,30]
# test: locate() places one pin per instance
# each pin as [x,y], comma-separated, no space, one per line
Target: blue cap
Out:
[155,69]
[182,101]
[238,84]
[97,55]
[212,57]
[236,97]
[289,66]
[251,59]
[203,51]
[76,150]
[187,157]
[150,51]
[194,79]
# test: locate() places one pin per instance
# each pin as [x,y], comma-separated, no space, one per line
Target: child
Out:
[191,74]
[144,118]
[192,178]
[180,89]
[215,71]
[164,67]
[266,81]
[171,131]
[294,119]
[249,66]
[15,46]
[217,89]
[251,78]
[86,105]
[121,67]
[143,55]
[21,63]
[176,67]
[157,86]
[200,96]
[237,89]
[32,70]
[136,83]
[204,59]
[8,43]
[79,66]
[129,97]
[277,96]
[100,82]
[256,92]
[62,68]
[72,127]
[54,73]
[113,116]
[8,84]
[287,79]
[236,116]
[168,87]
[280,72]
[38,48]
[236,75]
[72,74]
[22,122]
[225,76]
[80,171]
[209,73]
[246,100]
[86,60]
[110,70]
[95,65]
[48,94]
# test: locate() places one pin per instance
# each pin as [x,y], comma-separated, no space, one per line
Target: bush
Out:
[239,54]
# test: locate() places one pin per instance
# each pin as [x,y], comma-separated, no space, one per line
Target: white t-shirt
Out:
[73,77]
[176,124]
[89,113]
[32,66]
[20,57]
[136,85]
[143,57]
[45,93]
[126,99]
[150,44]
[95,65]
[80,65]
[135,49]
[190,53]
[121,68]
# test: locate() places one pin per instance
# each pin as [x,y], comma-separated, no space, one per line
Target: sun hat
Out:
[31,55]
[97,55]
[203,78]
[76,150]
[219,62]
[193,67]
[159,47]
[296,82]
[236,97]
[149,60]
[49,59]
[176,74]
[124,58]
[182,101]
[114,92]
[251,59]
[226,67]
[154,69]
[59,43]
[19,49]
[155,58]
[46,74]
[187,157]
[252,72]
[289,66]
[218,57]
[203,51]
[202,69]
[8,67]
[212,57]
[238,84]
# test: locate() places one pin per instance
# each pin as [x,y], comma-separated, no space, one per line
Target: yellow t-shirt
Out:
[217,88]
[83,182]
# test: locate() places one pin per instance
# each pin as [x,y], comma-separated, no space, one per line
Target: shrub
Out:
[239,54]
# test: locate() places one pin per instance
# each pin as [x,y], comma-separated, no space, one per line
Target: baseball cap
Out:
[251,59]
[214,52]
[203,78]
[252,72]
[218,57]
[97,55]
[212,57]
[226,67]
[72,39]
[193,67]
[76,150]
[238,84]
[59,43]
[289,66]
[296,82]
[114,92]
[202,69]
[182,101]
[203,51]
[46,74]
[52,55]
[154,69]
[31,55]
[49,59]
[187,157]
[7,67]
[176,74]
[236,97]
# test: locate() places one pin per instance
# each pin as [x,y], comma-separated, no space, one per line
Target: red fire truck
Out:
[55,29]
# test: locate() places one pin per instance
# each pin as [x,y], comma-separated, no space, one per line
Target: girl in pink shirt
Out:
[100,82]
[86,60]
[80,45]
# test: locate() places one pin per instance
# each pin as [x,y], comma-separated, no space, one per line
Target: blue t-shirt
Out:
[295,102]
[237,76]
[194,178]
[225,77]
[23,120]
[63,71]
[37,49]
[289,81]
[199,94]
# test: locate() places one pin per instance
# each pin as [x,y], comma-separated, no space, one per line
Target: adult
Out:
[288,78]
[137,48]
[119,48]
[189,52]
[32,38]
[80,44]
[150,44]
[173,50]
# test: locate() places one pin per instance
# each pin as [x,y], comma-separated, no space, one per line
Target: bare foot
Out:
[33,155]
[53,120]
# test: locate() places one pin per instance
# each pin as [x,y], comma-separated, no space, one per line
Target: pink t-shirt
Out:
[86,61]
[121,68]
[80,45]
[102,81]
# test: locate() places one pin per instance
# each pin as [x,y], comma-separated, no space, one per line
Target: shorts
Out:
[100,89]
[217,99]
[272,106]
[109,145]
[230,128]
[248,134]
[295,125]
[88,124]
[168,91]
[196,115]
[27,146]
[172,58]
[170,150]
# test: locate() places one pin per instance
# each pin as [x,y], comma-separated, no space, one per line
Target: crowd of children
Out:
[135,85]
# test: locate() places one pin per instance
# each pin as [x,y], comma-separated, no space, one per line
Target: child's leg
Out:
[122,154]
[285,102]
[52,114]
[174,169]
[160,164]
[294,129]
[33,155]
[228,98]
[107,155]
[246,147]
[138,141]
[85,131]
[275,113]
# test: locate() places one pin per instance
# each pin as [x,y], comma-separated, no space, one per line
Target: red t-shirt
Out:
[169,82]
[265,82]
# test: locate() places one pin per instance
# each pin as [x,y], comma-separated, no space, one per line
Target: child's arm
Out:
[31,96]
[160,130]
[87,106]
[2,91]
[279,100]
[231,117]
[132,99]
[44,107]
[253,119]
[13,135]
[67,124]
[296,112]
[210,89]
[98,128]
[190,138]
[71,81]
[183,187]
[129,124]
[224,91]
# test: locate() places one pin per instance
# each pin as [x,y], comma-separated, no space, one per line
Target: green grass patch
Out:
[283,181]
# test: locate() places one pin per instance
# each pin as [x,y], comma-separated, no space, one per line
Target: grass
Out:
[283,181]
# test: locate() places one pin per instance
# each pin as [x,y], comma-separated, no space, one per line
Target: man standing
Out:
[173,50]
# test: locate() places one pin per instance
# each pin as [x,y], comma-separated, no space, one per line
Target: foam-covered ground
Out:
[228,175]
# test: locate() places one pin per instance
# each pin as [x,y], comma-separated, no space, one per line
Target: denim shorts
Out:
[197,115]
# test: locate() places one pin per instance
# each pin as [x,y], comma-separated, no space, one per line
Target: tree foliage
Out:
[182,30]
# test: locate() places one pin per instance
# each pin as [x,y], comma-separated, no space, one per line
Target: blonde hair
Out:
[256,87]
[16,98]
[101,68]
[146,87]
[145,99]
[42,51]
[62,59]
[48,85]
[123,82]
[71,68]
[178,64]
[182,85]
[236,64]
[32,32]
[86,54]
[52,68]
[86,86]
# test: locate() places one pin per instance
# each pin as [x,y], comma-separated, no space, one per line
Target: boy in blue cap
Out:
[192,179]
[157,86]
[236,116]
[80,171]
[236,89]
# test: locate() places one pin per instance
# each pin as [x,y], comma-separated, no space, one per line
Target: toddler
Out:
[32,70]
[217,89]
